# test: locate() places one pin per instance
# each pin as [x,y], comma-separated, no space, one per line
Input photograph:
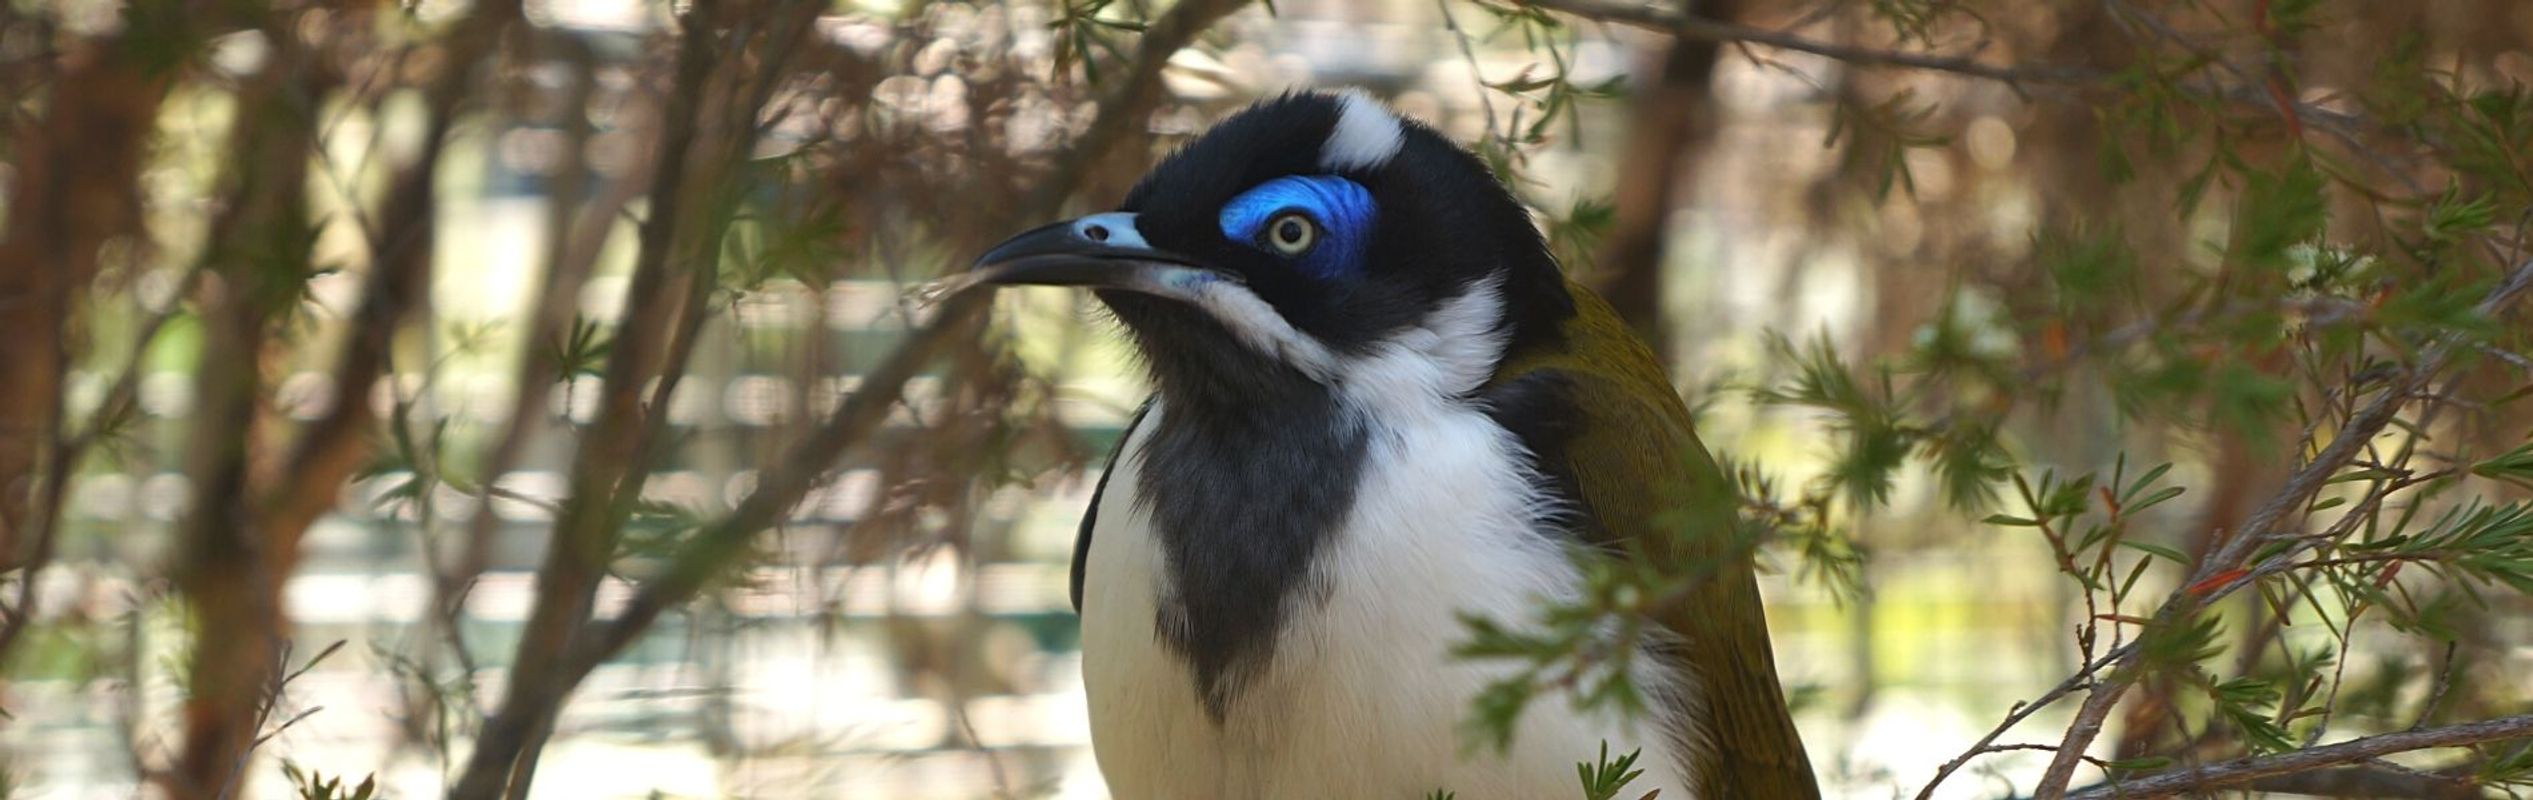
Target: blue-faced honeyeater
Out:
[1378,406]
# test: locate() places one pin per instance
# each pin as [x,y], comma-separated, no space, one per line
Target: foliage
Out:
[313,785]
[2277,250]
[1605,777]
[2347,314]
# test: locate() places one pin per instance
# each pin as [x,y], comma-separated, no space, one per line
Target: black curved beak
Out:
[1100,251]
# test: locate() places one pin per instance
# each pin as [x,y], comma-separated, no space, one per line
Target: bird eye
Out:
[1291,233]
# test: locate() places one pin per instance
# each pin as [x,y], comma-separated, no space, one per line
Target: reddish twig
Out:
[2225,572]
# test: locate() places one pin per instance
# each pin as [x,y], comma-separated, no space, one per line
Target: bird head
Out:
[1305,241]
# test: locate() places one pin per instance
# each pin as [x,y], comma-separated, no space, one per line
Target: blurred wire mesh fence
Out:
[904,630]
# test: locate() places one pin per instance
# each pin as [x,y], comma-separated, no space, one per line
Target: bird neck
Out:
[1201,368]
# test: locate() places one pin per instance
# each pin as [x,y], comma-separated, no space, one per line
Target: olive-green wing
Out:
[1609,429]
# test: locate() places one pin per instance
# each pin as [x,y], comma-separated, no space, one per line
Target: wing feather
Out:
[1606,425]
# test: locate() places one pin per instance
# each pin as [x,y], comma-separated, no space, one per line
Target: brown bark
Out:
[712,552]
[334,446]
[586,530]
[240,542]
[716,137]
[573,241]
[563,659]
[1672,119]
[227,568]
[2267,524]
[74,189]
[2241,470]
[2248,770]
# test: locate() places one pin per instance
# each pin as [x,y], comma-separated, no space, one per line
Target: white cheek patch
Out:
[1367,134]
[1449,354]
[1258,325]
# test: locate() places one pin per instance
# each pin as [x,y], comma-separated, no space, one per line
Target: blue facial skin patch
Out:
[1342,208]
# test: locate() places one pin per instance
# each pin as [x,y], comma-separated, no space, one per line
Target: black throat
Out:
[1248,472]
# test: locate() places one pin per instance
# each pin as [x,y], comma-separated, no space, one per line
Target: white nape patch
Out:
[1451,353]
[1117,228]
[1366,136]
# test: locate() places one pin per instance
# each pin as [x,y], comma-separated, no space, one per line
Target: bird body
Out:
[1361,697]
[1379,406]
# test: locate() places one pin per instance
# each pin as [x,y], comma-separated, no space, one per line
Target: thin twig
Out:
[2340,125]
[575,226]
[583,538]
[2263,526]
[1468,53]
[2244,770]
[1690,26]
[44,518]
[226,563]
[717,546]
[2021,711]
[714,548]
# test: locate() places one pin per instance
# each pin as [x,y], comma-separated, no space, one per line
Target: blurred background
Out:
[358,317]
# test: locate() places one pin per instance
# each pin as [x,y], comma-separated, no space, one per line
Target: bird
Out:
[1379,406]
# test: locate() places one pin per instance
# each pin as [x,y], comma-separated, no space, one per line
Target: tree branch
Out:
[399,276]
[46,510]
[2370,781]
[1670,124]
[223,566]
[714,549]
[2263,526]
[73,189]
[759,48]
[575,226]
[563,657]
[2022,711]
[1673,21]
[2340,125]
[584,535]
[2245,770]
[242,539]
